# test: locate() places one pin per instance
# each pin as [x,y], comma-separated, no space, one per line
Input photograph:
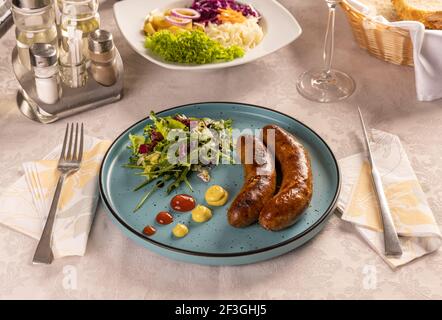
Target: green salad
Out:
[173,147]
[190,46]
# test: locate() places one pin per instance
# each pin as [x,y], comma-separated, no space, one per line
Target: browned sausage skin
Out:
[259,182]
[296,188]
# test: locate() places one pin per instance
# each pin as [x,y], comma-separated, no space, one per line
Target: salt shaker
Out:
[43,58]
[103,57]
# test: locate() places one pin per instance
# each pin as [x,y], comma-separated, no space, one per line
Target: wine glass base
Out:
[317,86]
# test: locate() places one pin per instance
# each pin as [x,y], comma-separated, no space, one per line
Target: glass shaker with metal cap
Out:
[35,22]
[83,15]
[103,57]
[44,63]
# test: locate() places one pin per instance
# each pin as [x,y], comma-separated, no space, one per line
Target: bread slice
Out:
[429,12]
[383,8]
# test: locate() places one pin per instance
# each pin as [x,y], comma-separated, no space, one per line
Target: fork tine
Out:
[65,140]
[69,154]
[80,151]
[75,151]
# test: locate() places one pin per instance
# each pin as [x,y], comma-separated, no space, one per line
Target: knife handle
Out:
[391,239]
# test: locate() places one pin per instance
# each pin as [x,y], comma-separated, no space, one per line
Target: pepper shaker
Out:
[43,57]
[103,57]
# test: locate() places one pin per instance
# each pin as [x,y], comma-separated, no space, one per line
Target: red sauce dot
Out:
[182,203]
[149,231]
[164,217]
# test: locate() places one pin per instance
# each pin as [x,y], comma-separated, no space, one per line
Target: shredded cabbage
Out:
[209,9]
[191,47]
[246,35]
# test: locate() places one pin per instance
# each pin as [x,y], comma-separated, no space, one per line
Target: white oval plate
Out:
[280,29]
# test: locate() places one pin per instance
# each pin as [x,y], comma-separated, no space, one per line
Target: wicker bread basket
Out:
[391,44]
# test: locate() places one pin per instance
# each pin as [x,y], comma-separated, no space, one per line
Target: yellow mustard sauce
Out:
[201,214]
[180,230]
[216,196]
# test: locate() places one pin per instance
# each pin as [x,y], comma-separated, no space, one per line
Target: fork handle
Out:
[43,253]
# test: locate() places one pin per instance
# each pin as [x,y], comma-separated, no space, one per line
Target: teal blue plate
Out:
[216,242]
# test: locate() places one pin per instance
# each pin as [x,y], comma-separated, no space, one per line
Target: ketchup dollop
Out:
[182,203]
[164,218]
[149,231]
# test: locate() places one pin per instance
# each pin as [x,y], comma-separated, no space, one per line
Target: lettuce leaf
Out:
[175,124]
[190,47]
[136,142]
[160,124]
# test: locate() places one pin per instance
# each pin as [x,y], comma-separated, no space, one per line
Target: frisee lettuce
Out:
[207,140]
[190,47]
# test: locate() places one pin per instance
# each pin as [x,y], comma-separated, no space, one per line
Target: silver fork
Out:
[69,162]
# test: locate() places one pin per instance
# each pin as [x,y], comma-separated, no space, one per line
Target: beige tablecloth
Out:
[336,264]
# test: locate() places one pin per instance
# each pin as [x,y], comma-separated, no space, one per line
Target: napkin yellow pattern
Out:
[412,216]
[48,174]
[363,208]
[408,210]
[26,203]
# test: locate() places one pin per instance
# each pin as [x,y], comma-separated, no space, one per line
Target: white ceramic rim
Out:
[295,33]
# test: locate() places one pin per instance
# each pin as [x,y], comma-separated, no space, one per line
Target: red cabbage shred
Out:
[209,9]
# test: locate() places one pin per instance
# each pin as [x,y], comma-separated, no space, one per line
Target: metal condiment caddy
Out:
[72,98]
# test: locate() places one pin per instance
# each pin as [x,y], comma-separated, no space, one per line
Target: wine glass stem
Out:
[329,42]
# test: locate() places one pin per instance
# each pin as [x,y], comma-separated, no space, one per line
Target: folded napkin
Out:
[427,45]
[26,203]
[418,231]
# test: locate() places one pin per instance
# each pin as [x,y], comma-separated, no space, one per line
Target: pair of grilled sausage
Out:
[257,200]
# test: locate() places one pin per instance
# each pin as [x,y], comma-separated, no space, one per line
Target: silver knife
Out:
[391,239]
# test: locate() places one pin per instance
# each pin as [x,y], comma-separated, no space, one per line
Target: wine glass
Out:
[326,84]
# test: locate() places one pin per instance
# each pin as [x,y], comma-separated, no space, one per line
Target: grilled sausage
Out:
[296,188]
[259,185]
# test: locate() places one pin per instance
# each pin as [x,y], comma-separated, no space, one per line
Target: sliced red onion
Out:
[179,22]
[255,12]
[185,13]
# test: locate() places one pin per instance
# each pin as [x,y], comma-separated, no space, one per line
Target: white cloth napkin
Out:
[26,203]
[427,47]
[418,231]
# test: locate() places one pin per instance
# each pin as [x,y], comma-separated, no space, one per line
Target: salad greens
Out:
[190,46]
[173,147]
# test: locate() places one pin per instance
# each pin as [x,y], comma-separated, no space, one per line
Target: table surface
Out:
[336,264]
